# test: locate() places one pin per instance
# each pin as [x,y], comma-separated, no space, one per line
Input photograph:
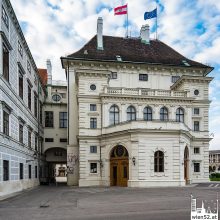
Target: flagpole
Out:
[156,22]
[127,20]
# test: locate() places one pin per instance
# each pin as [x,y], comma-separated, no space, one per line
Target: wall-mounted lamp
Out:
[134,160]
[101,163]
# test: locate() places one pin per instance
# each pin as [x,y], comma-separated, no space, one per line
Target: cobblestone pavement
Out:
[63,202]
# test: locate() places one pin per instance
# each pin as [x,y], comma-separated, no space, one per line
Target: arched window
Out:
[131,113]
[180,115]
[148,113]
[163,114]
[158,161]
[114,115]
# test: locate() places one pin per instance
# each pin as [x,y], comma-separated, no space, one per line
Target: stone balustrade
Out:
[144,92]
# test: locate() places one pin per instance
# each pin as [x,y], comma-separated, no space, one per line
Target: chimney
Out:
[145,34]
[49,72]
[99,33]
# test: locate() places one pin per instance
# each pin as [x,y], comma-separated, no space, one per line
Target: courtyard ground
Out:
[63,202]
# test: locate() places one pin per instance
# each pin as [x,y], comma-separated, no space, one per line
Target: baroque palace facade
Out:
[138,114]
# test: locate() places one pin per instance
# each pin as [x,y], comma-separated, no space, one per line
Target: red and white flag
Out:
[121,10]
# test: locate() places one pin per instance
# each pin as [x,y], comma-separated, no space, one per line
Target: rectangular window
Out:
[93,167]
[41,112]
[29,97]
[196,167]
[20,49]
[196,150]
[28,66]
[29,138]
[20,84]
[21,168]
[29,171]
[196,125]
[35,105]
[113,75]
[174,78]
[5,62]
[5,123]
[196,111]
[5,170]
[143,77]
[48,139]
[63,140]
[92,107]
[49,119]
[5,17]
[63,119]
[35,141]
[93,149]
[93,123]
[36,172]
[21,131]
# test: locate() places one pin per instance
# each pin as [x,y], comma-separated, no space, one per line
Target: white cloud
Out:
[56,28]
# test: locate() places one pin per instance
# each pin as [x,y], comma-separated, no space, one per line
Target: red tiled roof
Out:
[133,50]
[43,76]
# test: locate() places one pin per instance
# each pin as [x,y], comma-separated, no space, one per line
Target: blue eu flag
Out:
[150,14]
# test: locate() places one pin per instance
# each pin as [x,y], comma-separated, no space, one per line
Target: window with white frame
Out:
[20,49]
[21,133]
[5,17]
[196,111]
[93,167]
[196,150]
[93,149]
[5,170]
[92,107]
[196,167]
[196,125]
[28,66]
[6,122]
[93,123]
[180,115]
[148,113]
[143,77]
[5,53]
[29,137]
[131,113]
[63,119]
[164,114]
[114,115]
[158,161]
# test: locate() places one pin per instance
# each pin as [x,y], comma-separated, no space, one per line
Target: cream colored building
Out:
[138,114]
[55,123]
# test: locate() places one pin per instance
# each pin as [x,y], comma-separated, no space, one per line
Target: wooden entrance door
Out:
[119,166]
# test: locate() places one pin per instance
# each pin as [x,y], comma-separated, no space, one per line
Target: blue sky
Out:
[55,28]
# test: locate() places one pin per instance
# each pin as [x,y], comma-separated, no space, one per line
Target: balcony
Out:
[144,92]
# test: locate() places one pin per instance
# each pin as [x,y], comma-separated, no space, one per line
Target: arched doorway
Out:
[56,158]
[186,165]
[119,166]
